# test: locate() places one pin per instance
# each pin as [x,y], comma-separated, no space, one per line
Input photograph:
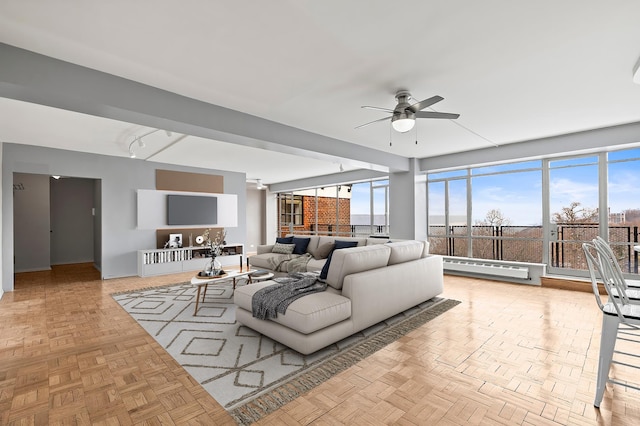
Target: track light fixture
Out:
[259,184]
[141,143]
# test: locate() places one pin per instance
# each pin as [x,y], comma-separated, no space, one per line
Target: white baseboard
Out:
[17,271]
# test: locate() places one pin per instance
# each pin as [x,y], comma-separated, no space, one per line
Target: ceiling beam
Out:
[35,78]
[605,138]
[327,180]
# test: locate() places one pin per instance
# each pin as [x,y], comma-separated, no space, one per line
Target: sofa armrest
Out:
[380,293]
[261,249]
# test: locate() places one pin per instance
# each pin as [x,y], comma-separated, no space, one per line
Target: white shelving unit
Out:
[174,260]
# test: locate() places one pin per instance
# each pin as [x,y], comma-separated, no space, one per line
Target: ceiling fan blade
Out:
[418,106]
[377,108]
[374,121]
[430,114]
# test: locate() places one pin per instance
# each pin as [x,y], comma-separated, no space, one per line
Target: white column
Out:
[407,203]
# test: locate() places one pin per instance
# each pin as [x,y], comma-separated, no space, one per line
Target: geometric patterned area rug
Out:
[247,373]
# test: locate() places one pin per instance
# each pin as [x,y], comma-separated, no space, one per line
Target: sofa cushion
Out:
[313,244]
[356,259]
[337,246]
[425,250]
[315,265]
[283,248]
[372,241]
[322,252]
[301,245]
[341,244]
[284,240]
[307,314]
[327,239]
[405,251]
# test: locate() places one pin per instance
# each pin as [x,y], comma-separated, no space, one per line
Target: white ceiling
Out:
[514,71]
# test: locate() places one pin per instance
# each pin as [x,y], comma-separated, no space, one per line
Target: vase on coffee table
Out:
[213,268]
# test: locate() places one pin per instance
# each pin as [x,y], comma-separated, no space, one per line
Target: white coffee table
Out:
[205,281]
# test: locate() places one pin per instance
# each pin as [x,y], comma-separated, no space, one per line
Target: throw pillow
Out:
[345,244]
[322,252]
[338,245]
[325,268]
[283,248]
[284,240]
[301,245]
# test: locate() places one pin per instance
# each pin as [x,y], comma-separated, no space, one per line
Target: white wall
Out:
[152,209]
[97,224]
[120,179]
[1,287]
[271,217]
[31,225]
[255,218]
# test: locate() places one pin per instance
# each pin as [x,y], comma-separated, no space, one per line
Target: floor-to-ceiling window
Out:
[573,210]
[507,212]
[538,211]
[352,209]
[623,188]
[487,212]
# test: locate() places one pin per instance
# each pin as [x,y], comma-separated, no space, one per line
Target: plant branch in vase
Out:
[215,245]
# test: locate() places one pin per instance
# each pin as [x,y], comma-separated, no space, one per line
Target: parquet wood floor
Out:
[509,354]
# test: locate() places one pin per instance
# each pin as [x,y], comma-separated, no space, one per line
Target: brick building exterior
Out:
[326,224]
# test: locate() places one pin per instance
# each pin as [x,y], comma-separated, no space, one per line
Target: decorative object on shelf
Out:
[175,240]
[214,245]
[199,239]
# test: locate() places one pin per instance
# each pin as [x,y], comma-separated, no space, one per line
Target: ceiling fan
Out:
[403,116]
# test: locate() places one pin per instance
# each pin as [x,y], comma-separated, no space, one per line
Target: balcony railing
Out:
[524,243]
[346,230]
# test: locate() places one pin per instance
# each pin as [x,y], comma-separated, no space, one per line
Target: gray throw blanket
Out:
[299,264]
[279,263]
[289,262]
[275,299]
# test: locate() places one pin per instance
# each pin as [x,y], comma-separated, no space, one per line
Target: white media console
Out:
[175,260]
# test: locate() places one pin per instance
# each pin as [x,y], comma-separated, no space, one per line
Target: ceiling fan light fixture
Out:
[403,124]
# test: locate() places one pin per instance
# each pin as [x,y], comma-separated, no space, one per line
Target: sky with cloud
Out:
[518,195]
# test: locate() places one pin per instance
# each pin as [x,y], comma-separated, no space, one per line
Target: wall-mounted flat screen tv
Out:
[191,210]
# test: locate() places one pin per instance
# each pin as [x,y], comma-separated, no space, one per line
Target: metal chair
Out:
[620,318]
[605,248]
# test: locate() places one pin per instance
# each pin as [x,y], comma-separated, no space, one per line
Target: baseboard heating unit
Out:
[487,268]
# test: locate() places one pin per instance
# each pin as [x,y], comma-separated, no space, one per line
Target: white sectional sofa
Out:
[365,285]
[265,258]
